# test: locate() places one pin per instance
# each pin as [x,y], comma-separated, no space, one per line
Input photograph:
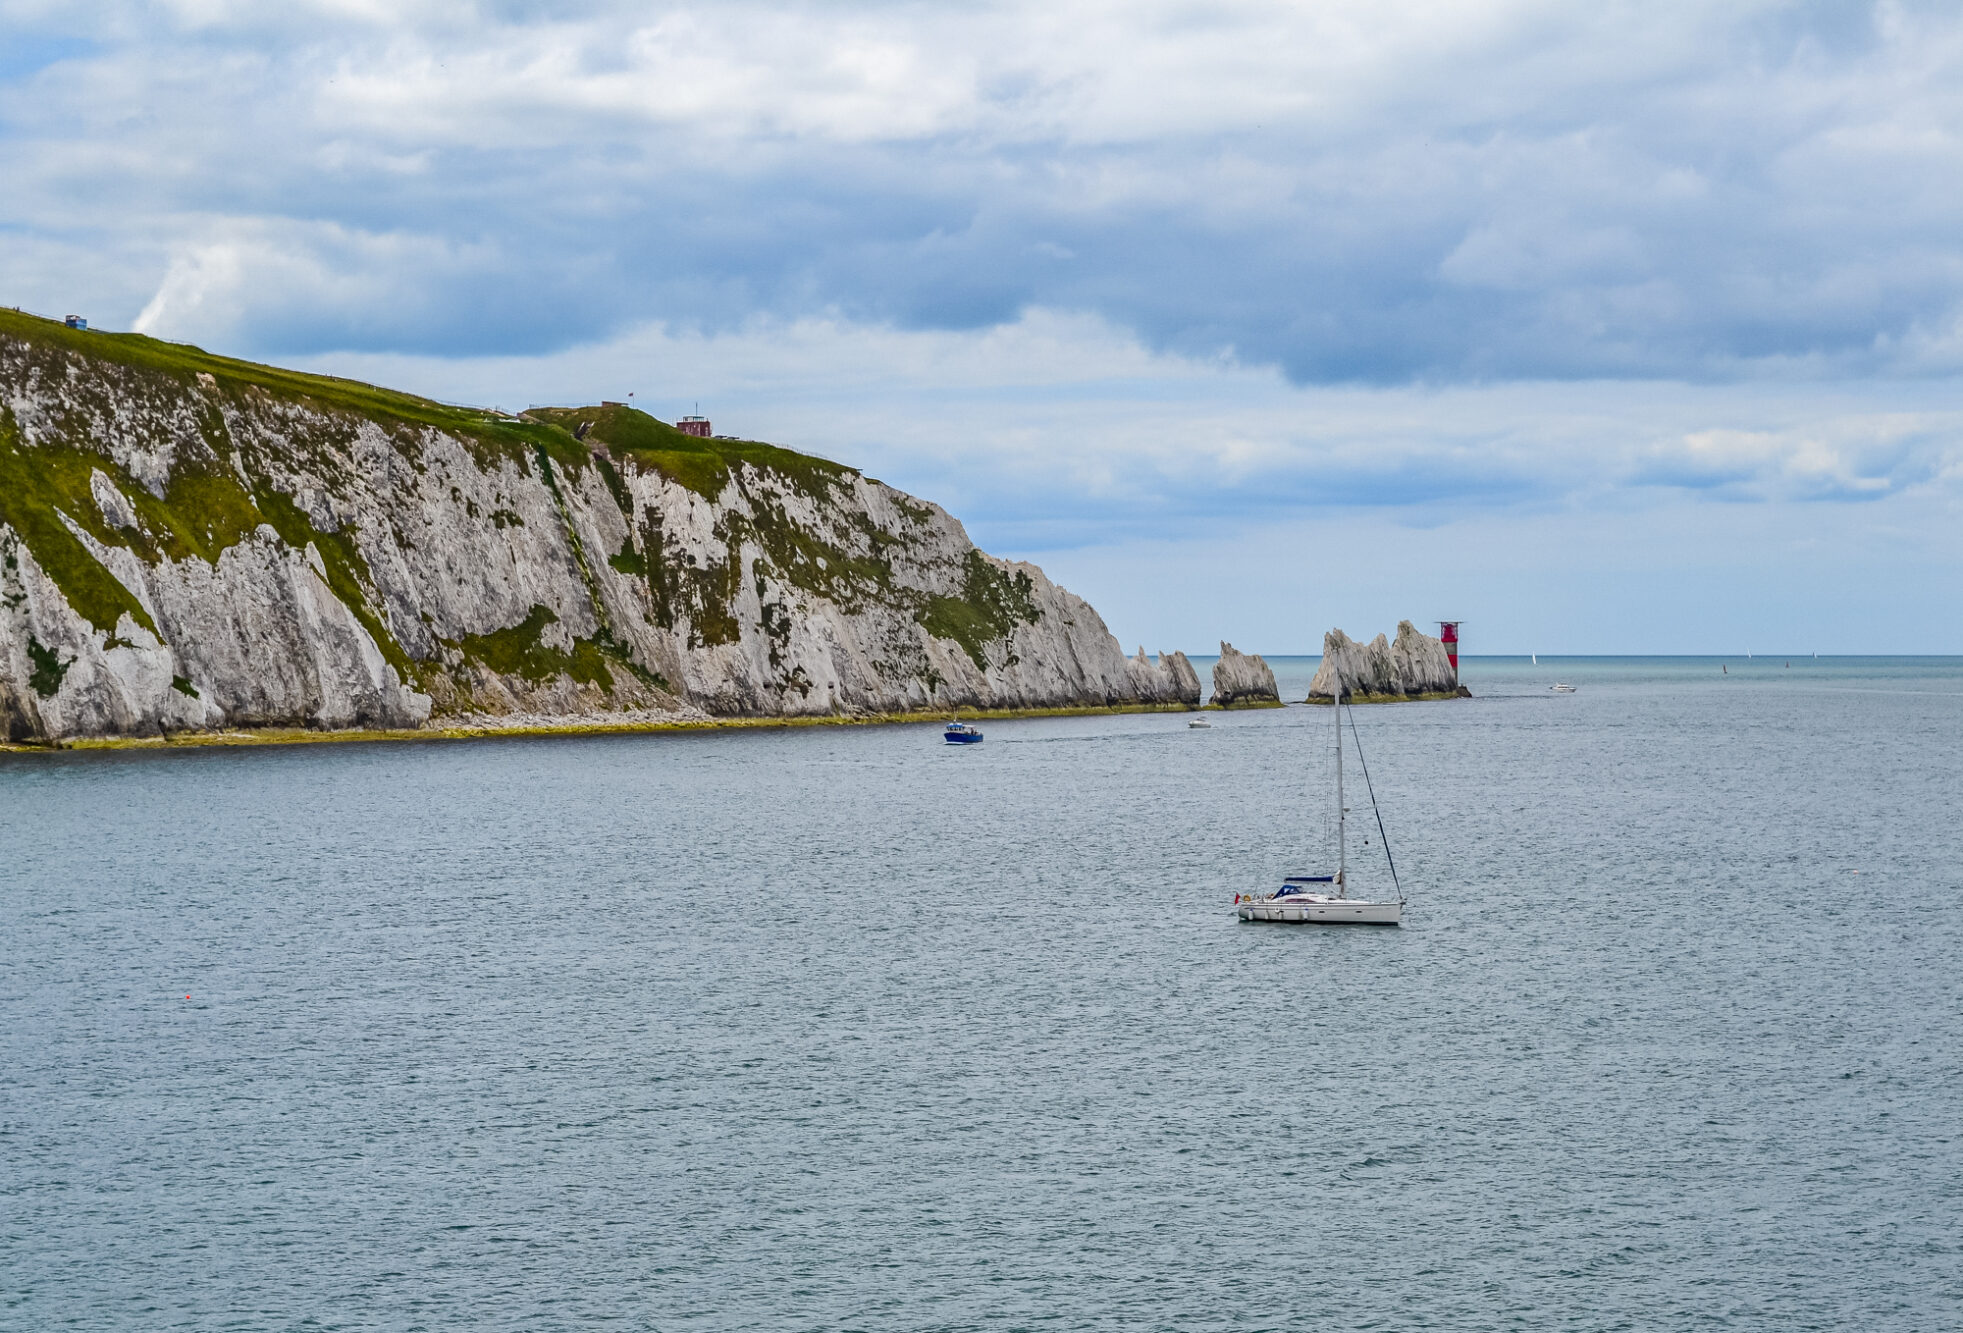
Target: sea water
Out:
[842,1028]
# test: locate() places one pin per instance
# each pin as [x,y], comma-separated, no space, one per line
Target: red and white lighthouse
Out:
[1448,634]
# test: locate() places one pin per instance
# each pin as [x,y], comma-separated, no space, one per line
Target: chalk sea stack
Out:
[1169,680]
[190,543]
[1414,667]
[1243,681]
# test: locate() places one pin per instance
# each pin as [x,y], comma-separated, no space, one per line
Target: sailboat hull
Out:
[1322,912]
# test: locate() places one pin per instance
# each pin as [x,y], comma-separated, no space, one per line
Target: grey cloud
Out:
[1768,195]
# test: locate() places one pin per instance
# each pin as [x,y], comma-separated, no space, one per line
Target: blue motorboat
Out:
[960,733]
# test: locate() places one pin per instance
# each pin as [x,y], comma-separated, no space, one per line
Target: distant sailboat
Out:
[1536,657]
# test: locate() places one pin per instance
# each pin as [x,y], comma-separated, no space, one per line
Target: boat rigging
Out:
[1301,899]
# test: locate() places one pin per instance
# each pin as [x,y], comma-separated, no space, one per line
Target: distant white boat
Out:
[1199,724]
[1302,899]
[1536,657]
[1559,688]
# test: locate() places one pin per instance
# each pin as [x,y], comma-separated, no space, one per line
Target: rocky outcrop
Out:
[191,543]
[1169,680]
[1241,681]
[1414,667]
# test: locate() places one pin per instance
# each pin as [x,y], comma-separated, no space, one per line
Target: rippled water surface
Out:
[843,1028]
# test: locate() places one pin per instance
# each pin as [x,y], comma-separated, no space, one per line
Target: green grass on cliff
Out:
[206,508]
[184,362]
[520,650]
[204,511]
[792,552]
[992,604]
[36,488]
[226,482]
[701,465]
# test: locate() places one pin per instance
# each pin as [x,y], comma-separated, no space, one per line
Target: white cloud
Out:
[1675,577]
[1062,422]
[1084,270]
[1351,190]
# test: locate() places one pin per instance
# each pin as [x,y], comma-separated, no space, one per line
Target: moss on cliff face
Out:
[992,604]
[37,488]
[205,510]
[573,543]
[629,561]
[425,521]
[520,650]
[848,568]
[709,590]
[347,571]
[48,668]
[206,507]
[805,558]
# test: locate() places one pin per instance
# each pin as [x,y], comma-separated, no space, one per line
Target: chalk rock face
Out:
[1412,667]
[193,543]
[1170,680]
[1240,680]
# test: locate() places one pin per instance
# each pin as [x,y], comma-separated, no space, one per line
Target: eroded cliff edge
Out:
[193,543]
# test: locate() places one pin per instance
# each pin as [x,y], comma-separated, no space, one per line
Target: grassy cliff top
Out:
[700,464]
[697,463]
[184,362]
[214,498]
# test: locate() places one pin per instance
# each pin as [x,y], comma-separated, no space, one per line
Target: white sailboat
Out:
[1303,899]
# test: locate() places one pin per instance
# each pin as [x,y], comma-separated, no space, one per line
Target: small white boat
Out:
[1199,723]
[1303,899]
[1298,902]
[1559,688]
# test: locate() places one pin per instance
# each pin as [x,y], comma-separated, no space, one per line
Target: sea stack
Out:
[1415,667]
[1241,681]
[1170,680]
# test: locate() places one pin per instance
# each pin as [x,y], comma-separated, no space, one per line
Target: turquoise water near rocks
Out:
[843,1028]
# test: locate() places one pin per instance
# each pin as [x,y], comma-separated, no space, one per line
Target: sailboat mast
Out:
[1342,850]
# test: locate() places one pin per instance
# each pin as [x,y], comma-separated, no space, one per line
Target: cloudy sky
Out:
[1607,327]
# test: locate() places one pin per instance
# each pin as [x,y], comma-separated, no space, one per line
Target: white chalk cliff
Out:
[1240,680]
[191,543]
[1413,667]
